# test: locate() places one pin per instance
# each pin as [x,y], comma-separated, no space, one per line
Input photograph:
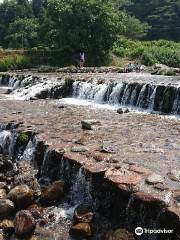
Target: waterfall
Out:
[29,151]
[6,142]
[134,94]
[115,95]
[81,189]
[176,104]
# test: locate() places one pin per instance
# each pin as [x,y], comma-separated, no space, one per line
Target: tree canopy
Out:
[162,15]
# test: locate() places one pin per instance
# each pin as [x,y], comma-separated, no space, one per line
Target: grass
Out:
[14,61]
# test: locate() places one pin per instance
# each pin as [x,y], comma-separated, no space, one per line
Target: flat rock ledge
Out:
[127,175]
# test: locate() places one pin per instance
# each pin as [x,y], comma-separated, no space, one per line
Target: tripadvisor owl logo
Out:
[139,231]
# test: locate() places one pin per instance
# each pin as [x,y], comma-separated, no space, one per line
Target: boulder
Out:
[119,234]
[6,207]
[88,124]
[162,69]
[122,110]
[24,223]
[83,213]
[174,175]
[7,226]
[53,193]
[21,195]
[81,230]
[154,179]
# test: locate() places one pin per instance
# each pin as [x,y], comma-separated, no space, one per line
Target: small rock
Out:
[83,213]
[174,175]
[120,111]
[7,226]
[2,193]
[126,110]
[81,230]
[21,195]
[24,223]
[79,149]
[88,124]
[6,207]
[53,193]
[61,106]
[154,179]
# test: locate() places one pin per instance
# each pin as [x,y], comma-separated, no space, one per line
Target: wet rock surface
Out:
[21,195]
[24,223]
[136,155]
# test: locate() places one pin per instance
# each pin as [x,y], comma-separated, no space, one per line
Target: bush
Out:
[149,52]
[15,61]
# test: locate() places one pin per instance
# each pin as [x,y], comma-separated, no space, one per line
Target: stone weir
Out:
[127,169]
[138,91]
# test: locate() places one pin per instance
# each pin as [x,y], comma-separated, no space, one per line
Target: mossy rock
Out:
[23,138]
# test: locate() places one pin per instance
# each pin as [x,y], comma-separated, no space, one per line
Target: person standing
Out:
[82,59]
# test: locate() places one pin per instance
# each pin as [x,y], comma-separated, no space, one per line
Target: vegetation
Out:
[149,52]
[14,61]
[162,15]
[53,32]
[23,138]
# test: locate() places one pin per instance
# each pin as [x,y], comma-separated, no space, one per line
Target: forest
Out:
[58,29]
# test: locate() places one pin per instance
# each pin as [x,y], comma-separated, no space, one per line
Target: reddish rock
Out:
[139,169]
[81,230]
[119,234]
[53,193]
[83,213]
[126,179]
[145,197]
[6,207]
[24,223]
[21,195]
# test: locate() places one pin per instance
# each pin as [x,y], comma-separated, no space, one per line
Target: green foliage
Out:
[162,15]
[149,52]
[23,138]
[14,61]
[84,25]
[10,11]
[23,33]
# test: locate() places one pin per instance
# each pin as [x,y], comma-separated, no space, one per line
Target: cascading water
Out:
[138,95]
[29,151]
[6,142]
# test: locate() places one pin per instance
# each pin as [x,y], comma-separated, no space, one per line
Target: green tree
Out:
[39,7]
[23,33]
[10,11]
[162,15]
[85,25]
